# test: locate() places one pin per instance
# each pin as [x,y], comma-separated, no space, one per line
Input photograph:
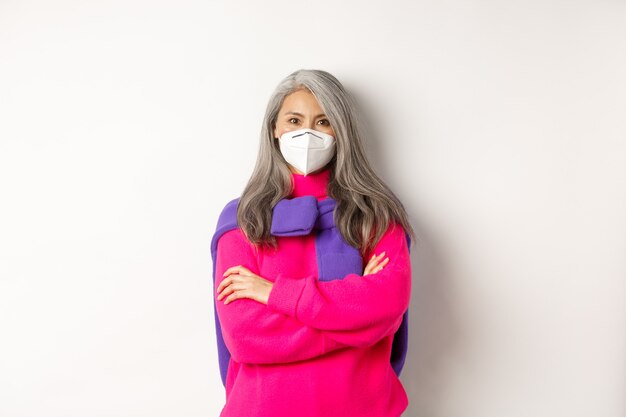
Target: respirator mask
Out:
[307,149]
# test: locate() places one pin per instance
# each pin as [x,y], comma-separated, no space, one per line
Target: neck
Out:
[313,184]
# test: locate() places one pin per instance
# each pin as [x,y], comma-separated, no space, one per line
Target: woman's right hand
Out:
[373,266]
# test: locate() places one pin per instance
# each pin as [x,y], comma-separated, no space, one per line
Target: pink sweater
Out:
[318,348]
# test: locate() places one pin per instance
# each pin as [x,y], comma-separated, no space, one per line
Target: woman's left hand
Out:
[240,282]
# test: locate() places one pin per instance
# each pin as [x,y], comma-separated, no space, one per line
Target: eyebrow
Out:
[301,115]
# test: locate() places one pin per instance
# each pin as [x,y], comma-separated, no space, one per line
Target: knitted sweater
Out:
[318,348]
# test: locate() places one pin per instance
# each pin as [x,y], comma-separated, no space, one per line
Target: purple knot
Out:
[300,215]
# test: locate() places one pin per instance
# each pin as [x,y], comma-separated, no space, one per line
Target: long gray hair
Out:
[365,205]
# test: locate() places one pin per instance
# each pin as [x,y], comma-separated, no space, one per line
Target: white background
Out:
[125,126]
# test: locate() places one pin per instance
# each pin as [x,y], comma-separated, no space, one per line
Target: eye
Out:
[324,122]
[293,118]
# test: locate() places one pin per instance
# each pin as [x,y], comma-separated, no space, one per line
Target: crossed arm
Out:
[305,317]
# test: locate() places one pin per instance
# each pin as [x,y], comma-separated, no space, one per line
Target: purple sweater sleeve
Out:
[356,310]
[252,332]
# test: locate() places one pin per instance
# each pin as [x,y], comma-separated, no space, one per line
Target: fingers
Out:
[228,282]
[227,289]
[236,286]
[374,257]
[231,297]
[382,264]
[373,267]
[225,282]
[231,273]
[240,269]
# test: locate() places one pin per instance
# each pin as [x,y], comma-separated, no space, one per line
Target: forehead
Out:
[301,101]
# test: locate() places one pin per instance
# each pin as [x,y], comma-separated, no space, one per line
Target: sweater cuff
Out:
[285,295]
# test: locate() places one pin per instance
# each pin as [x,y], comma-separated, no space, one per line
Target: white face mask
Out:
[306,149]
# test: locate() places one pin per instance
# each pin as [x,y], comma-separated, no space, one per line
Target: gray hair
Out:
[365,205]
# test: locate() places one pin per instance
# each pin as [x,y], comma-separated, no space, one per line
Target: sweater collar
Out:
[313,184]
